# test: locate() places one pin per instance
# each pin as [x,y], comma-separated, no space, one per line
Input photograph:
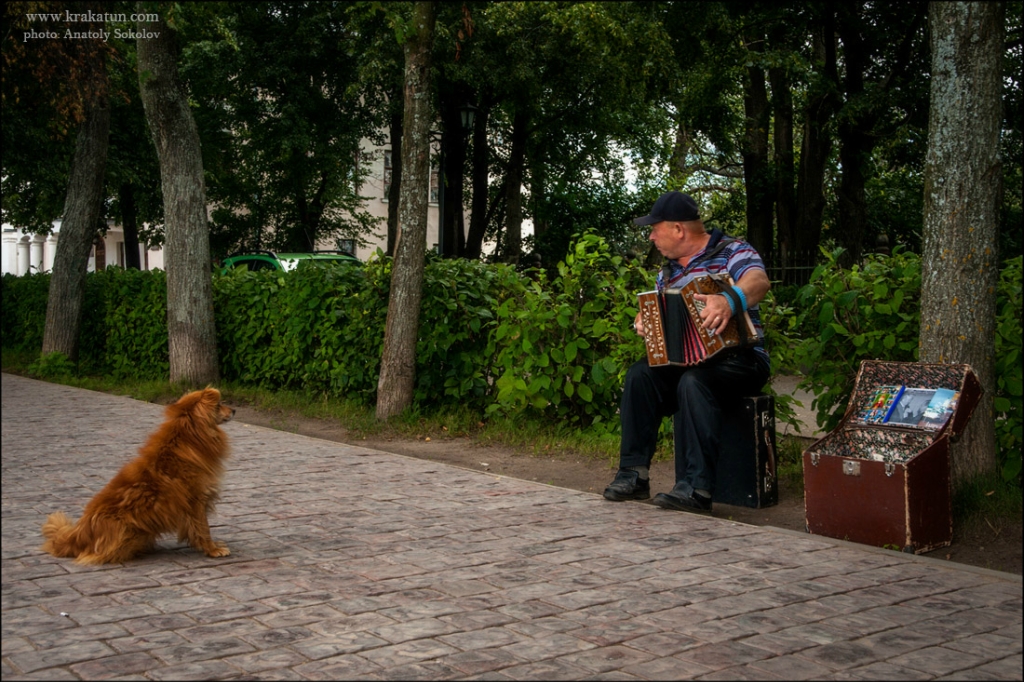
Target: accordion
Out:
[674,333]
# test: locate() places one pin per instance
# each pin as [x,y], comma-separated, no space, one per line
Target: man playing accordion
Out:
[695,395]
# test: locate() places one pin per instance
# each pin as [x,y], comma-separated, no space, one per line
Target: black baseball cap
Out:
[671,206]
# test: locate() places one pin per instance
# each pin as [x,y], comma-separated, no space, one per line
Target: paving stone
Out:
[477,662]
[606,658]
[54,638]
[202,651]
[347,563]
[839,655]
[339,644]
[545,670]
[76,652]
[786,668]
[882,670]
[114,666]
[201,670]
[156,640]
[938,661]
[45,675]
[722,655]
[667,668]
[414,629]
[413,651]
[268,659]
[488,638]
[348,667]
[552,646]
[1007,668]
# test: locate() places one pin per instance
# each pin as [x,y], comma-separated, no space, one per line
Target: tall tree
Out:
[882,55]
[82,212]
[60,85]
[190,323]
[285,104]
[961,214]
[816,142]
[398,361]
[757,166]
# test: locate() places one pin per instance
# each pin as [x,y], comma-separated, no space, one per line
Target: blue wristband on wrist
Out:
[743,298]
[729,296]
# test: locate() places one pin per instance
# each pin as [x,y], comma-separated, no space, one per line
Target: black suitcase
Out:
[745,472]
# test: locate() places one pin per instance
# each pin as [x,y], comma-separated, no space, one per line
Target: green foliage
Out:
[562,349]
[135,318]
[319,327]
[490,339]
[24,305]
[872,311]
[1009,369]
[843,316]
[532,348]
[460,298]
[53,366]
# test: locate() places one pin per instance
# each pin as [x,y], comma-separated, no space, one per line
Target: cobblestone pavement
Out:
[349,563]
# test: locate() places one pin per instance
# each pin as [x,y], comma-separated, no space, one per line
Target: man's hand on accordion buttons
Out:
[716,313]
[638,325]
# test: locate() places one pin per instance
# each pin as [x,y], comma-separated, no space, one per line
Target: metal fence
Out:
[792,268]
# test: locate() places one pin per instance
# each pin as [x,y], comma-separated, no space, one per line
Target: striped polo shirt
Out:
[735,258]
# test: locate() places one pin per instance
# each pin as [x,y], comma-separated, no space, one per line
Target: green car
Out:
[284,262]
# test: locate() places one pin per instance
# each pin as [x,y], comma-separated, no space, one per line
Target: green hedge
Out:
[497,341]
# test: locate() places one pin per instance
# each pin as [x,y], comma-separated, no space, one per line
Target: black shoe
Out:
[628,486]
[698,504]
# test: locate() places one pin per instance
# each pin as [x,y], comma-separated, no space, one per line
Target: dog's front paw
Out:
[219,549]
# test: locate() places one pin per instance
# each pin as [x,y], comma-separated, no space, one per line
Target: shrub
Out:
[24,310]
[134,316]
[1007,402]
[496,341]
[561,348]
[844,316]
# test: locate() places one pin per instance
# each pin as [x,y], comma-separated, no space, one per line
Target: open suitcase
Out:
[883,479]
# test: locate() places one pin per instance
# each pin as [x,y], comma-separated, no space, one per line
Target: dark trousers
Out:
[695,396]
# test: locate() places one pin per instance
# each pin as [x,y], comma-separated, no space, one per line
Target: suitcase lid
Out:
[957,377]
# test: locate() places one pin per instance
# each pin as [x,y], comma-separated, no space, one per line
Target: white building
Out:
[375,189]
[25,253]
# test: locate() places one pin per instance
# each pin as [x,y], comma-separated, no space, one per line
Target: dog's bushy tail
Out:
[63,538]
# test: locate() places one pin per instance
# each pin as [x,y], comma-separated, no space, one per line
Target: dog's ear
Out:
[184,404]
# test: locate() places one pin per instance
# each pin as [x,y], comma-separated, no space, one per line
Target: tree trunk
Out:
[756,167]
[398,361]
[190,321]
[395,190]
[961,210]
[513,246]
[454,165]
[130,225]
[785,174]
[678,165]
[82,209]
[816,143]
[855,150]
[481,170]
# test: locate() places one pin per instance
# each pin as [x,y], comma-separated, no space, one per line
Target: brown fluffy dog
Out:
[170,487]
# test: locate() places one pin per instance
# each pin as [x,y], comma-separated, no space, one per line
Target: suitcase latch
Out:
[851,467]
[815,458]
[889,468]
